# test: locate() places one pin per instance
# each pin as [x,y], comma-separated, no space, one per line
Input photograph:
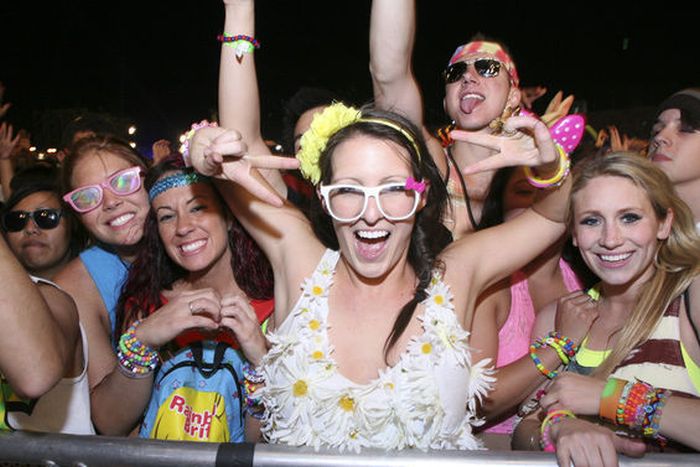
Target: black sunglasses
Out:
[486,67]
[45,219]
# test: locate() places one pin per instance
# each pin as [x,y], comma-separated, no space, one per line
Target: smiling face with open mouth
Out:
[617,230]
[372,245]
[192,225]
[119,219]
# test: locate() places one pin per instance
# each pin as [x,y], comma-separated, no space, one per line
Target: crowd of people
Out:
[491,284]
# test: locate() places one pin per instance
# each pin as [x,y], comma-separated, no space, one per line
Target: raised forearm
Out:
[239,101]
[392,34]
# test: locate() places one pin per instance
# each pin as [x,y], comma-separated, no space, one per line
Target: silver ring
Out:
[193,310]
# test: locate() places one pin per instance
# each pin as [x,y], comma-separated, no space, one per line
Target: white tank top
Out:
[64,409]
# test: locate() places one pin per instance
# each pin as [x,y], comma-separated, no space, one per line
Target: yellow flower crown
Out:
[325,124]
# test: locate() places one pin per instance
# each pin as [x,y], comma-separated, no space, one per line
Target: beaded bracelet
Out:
[552,418]
[538,363]
[653,411]
[228,38]
[567,344]
[637,397]
[241,43]
[134,356]
[555,180]
[640,407]
[253,381]
[622,402]
[187,138]
[252,374]
[565,347]
[609,398]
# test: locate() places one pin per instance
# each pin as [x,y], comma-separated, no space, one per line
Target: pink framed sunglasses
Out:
[86,198]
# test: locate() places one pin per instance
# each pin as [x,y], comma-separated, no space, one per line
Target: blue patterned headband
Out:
[174,181]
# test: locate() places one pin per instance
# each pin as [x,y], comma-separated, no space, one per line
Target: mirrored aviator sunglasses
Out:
[122,183]
[45,219]
[485,67]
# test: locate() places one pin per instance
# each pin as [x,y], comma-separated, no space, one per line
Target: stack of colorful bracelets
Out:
[634,404]
[555,180]
[253,380]
[564,347]
[552,418]
[136,359]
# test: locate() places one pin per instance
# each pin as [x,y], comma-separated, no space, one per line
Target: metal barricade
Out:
[102,451]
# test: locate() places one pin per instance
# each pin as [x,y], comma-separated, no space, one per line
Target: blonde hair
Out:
[677,259]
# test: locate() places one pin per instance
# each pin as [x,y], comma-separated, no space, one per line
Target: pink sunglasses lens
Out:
[126,183]
[85,199]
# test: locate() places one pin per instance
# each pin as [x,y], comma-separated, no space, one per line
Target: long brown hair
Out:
[677,260]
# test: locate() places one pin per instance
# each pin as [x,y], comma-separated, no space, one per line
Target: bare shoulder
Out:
[77,282]
[73,275]
[75,279]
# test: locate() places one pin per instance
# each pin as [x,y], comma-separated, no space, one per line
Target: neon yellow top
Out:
[593,358]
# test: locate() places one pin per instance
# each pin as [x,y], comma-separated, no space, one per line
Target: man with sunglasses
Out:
[40,345]
[38,230]
[481,93]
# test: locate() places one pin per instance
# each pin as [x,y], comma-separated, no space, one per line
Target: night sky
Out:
[156,63]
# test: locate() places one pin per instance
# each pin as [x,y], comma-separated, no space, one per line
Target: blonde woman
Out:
[639,238]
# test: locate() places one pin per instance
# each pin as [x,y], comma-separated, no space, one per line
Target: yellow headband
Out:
[325,124]
[397,127]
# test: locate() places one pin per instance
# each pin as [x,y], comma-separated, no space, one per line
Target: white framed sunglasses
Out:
[396,201]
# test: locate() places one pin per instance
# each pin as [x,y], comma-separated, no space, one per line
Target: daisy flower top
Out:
[426,400]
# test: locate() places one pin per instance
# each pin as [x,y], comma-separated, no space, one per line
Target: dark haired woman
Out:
[195,275]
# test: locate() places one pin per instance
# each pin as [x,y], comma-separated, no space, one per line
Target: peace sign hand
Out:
[222,153]
[525,141]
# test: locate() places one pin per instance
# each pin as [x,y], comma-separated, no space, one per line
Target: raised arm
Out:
[480,259]
[239,98]
[39,330]
[391,38]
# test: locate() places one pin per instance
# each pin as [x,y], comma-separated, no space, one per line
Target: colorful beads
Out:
[228,39]
[538,363]
[640,407]
[564,347]
[241,43]
[135,358]
[186,141]
[253,380]
[552,418]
